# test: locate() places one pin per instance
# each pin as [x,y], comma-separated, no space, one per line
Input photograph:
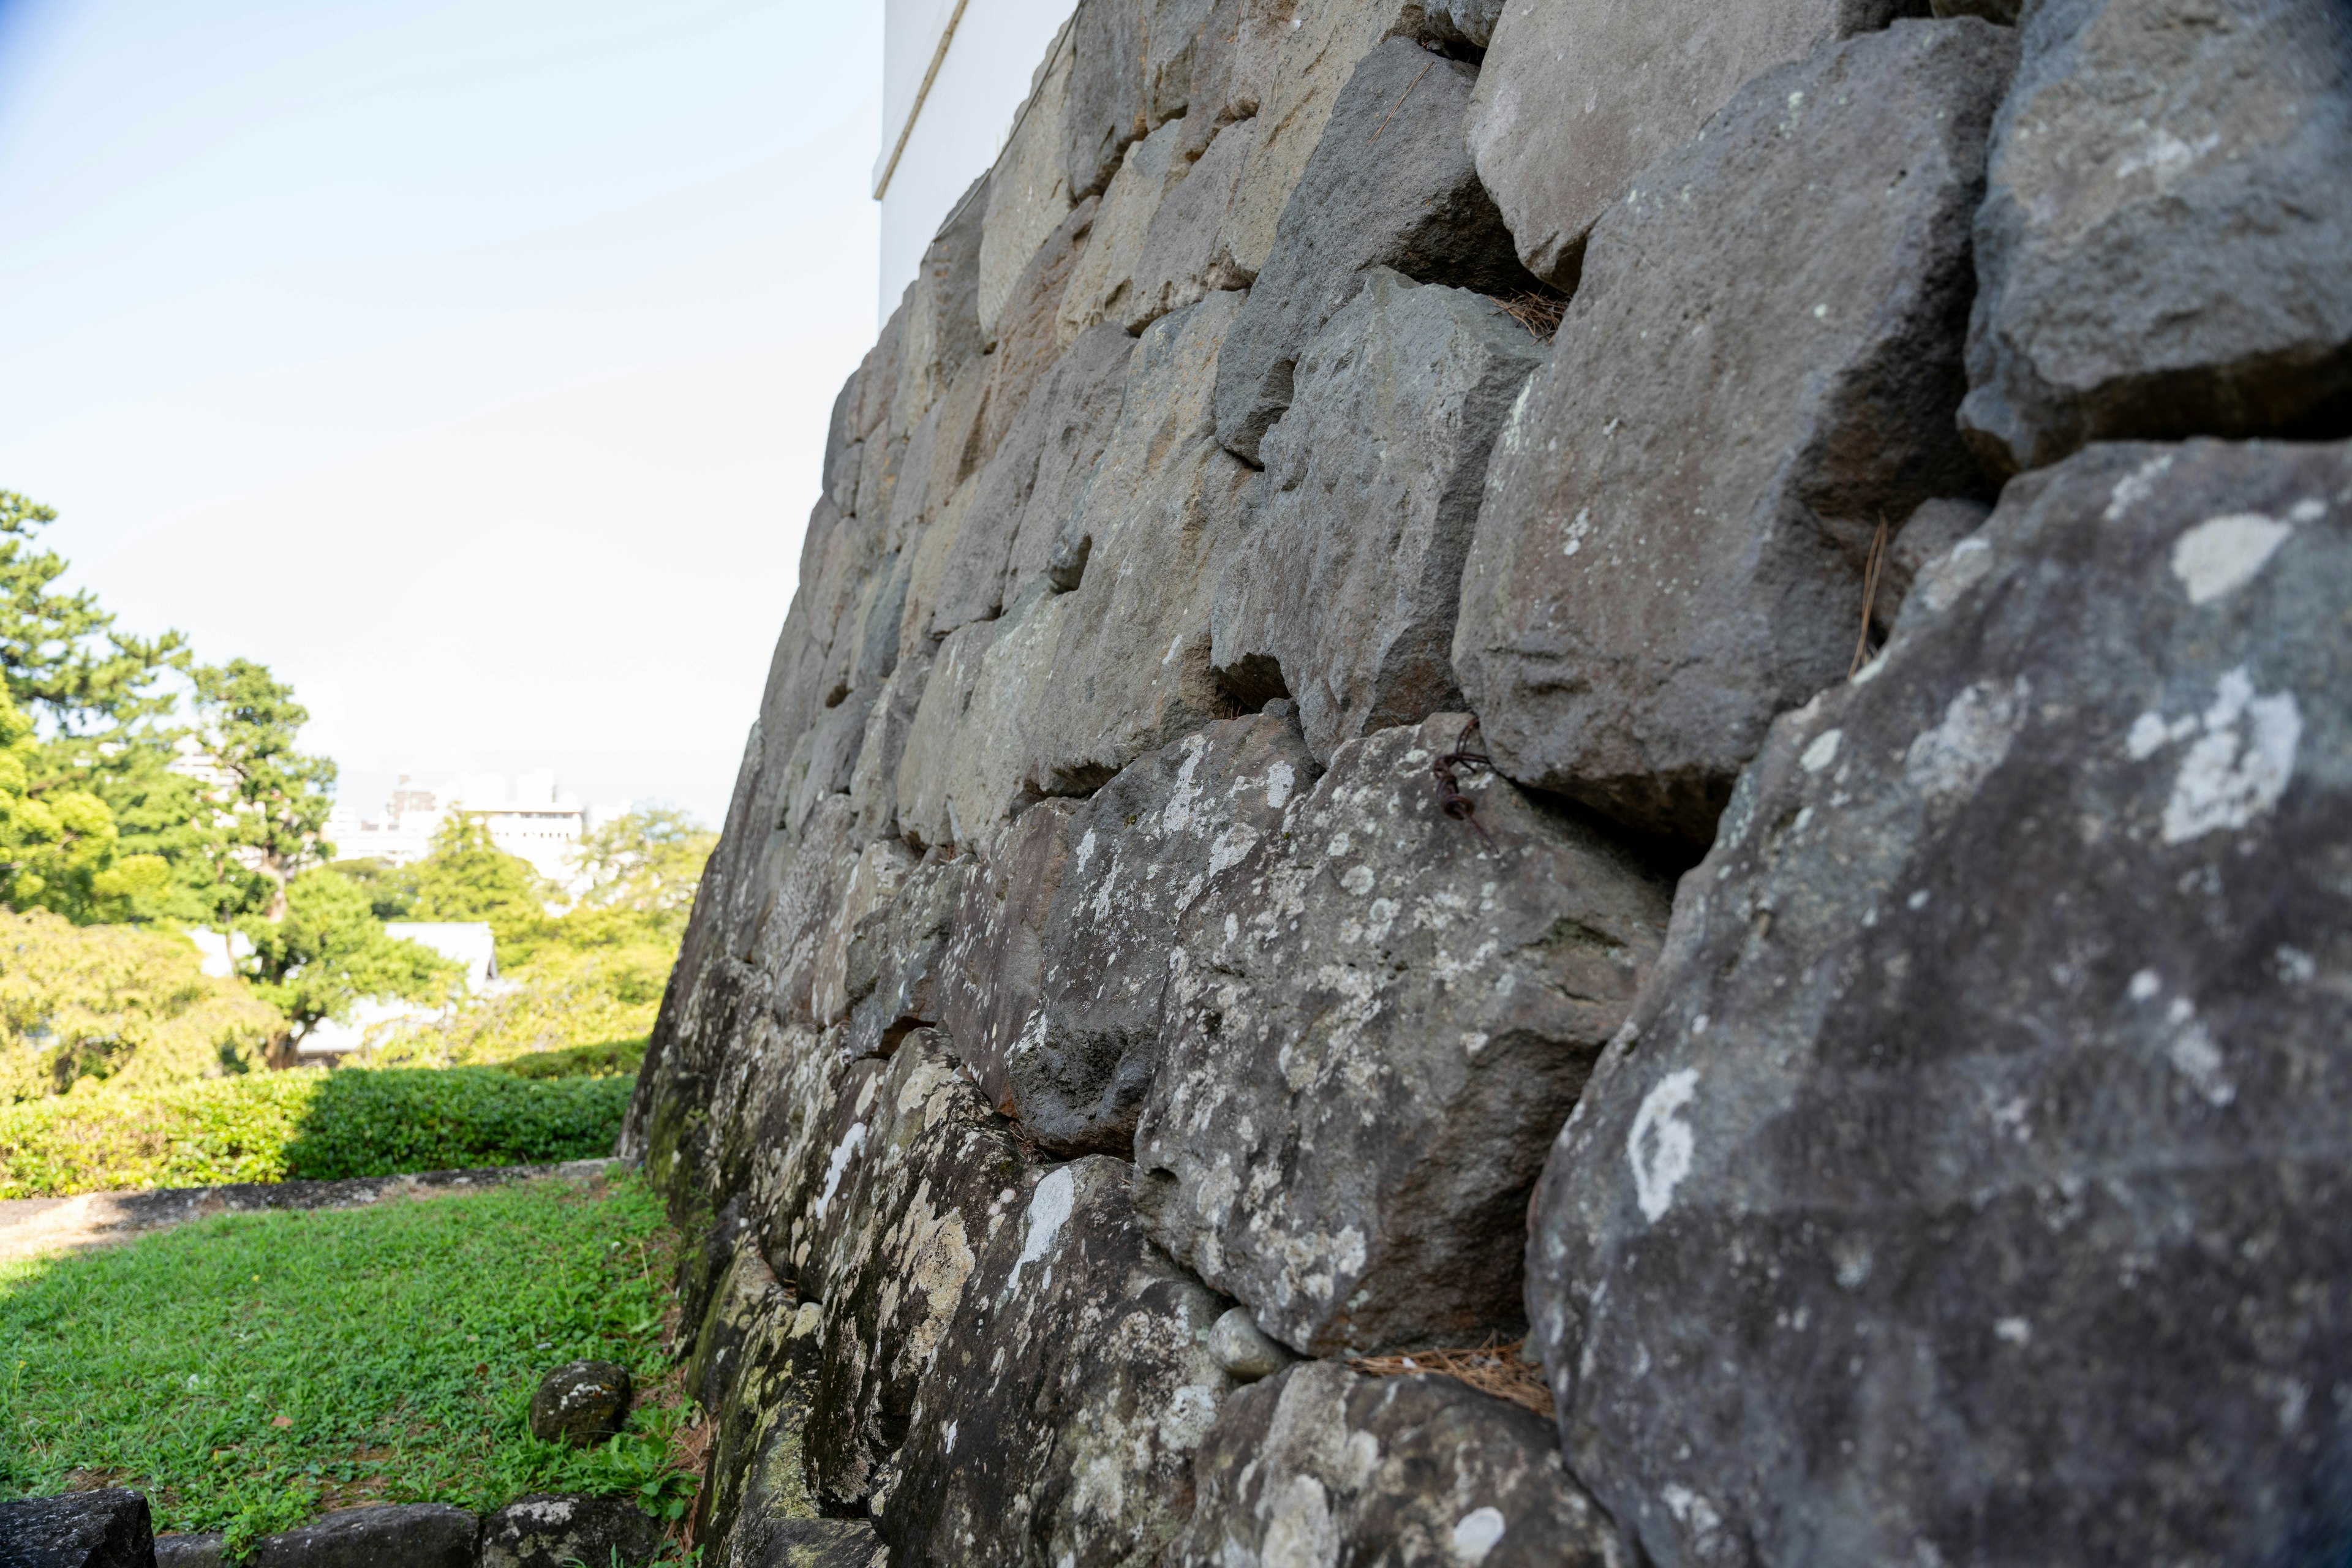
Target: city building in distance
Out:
[529,816]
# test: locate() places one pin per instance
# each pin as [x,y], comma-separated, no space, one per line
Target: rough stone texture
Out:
[1080,683]
[1347,579]
[549,1531]
[1579,96]
[2162,245]
[1389,184]
[1080,1358]
[406,1535]
[1982,1137]
[1102,283]
[1320,1465]
[1292,87]
[1677,514]
[1026,491]
[1030,859]
[204,1549]
[1181,259]
[107,1529]
[1375,1024]
[1028,190]
[1076,1038]
[1133,62]
[581,1403]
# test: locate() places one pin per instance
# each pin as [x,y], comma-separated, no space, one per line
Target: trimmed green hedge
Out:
[268,1126]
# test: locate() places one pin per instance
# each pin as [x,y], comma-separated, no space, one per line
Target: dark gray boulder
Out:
[2162,244]
[1576,98]
[1348,578]
[1075,1059]
[105,1529]
[406,1535]
[1672,545]
[1064,1407]
[1131,66]
[581,1403]
[1323,1466]
[1389,185]
[201,1549]
[1376,1019]
[1182,258]
[897,960]
[545,1530]
[1967,1185]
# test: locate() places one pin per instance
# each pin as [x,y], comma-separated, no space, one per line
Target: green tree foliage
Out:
[116,1002]
[327,951]
[270,802]
[467,877]
[58,850]
[62,656]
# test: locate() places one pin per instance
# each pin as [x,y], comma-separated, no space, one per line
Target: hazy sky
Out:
[465,362]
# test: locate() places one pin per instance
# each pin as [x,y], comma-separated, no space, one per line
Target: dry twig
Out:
[1494,1368]
[1870,574]
[1384,125]
[1537,310]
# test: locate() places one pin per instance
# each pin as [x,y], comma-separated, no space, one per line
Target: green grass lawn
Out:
[251,1371]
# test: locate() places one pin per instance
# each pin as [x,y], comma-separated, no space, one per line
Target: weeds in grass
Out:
[252,1371]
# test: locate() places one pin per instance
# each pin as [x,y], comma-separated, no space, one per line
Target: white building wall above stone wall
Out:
[954,73]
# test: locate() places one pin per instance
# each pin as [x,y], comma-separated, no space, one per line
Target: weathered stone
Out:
[1030,339]
[407,1535]
[1969,1178]
[2162,242]
[1321,1464]
[549,1531]
[821,761]
[200,1549]
[1132,64]
[873,782]
[1233,63]
[1375,1021]
[1243,1349]
[1181,259]
[1291,83]
[995,957]
[878,378]
[1028,191]
[894,976]
[941,335]
[783,939]
[1102,283]
[926,816]
[908,1176]
[1024,493]
[1470,22]
[1579,96]
[105,1529]
[1073,1059]
[1389,184]
[1348,578]
[581,1403]
[1077,1356]
[873,882]
[1079,684]
[1678,514]
[1933,527]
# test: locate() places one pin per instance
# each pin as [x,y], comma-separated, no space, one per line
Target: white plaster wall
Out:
[961,124]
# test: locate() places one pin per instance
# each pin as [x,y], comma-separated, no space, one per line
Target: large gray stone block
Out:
[406,1535]
[1182,256]
[1967,1185]
[1348,578]
[1761,365]
[2162,245]
[1323,1466]
[1389,185]
[545,1530]
[1579,96]
[105,1529]
[1073,1059]
[1132,65]
[1066,1403]
[1102,284]
[1028,189]
[1375,1021]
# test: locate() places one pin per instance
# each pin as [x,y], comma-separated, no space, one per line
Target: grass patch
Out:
[251,1371]
[606,1058]
[270,1127]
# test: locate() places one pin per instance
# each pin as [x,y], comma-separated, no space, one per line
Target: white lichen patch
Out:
[2222,555]
[1049,1210]
[1972,739]
[2238,767]
[1661,1144]
[1822,752]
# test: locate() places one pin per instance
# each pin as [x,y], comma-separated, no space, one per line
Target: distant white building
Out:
[468,943]
[528,817]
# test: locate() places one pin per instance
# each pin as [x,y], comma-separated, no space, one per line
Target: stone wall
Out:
[1867,1000]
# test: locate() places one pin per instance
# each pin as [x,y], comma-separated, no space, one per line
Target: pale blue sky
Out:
[467,362]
